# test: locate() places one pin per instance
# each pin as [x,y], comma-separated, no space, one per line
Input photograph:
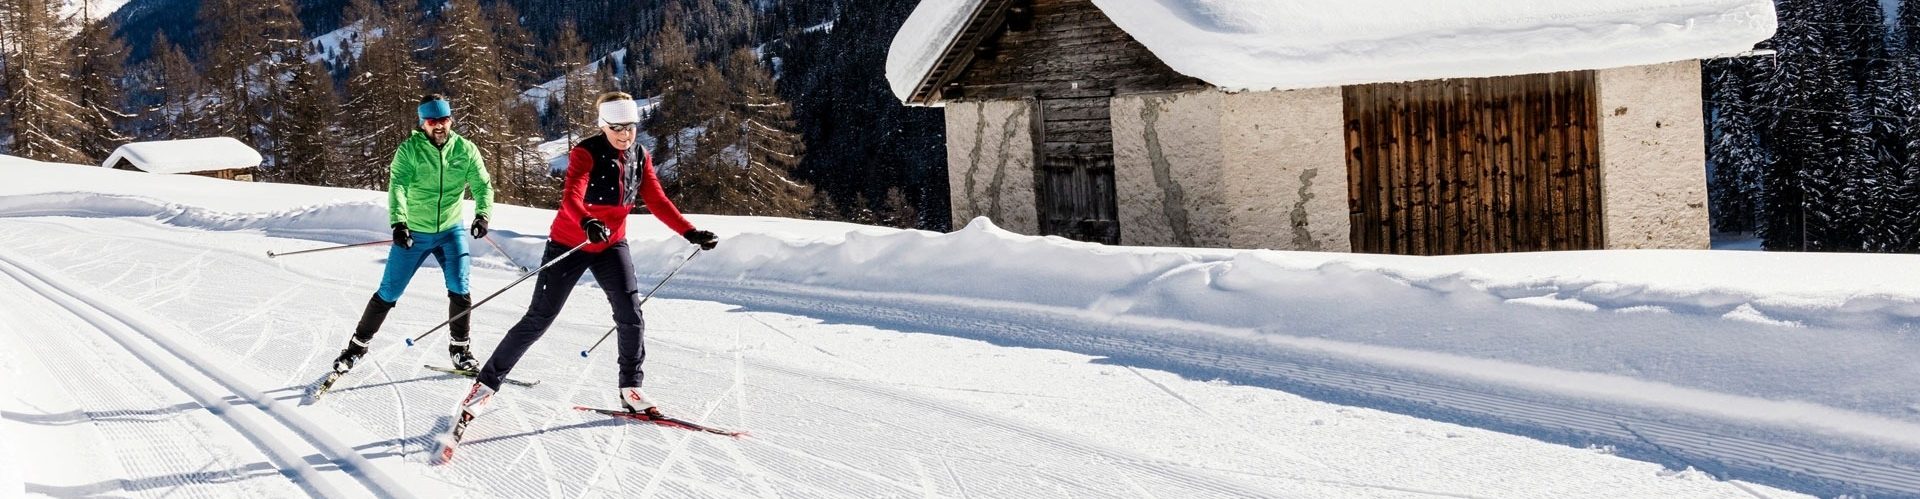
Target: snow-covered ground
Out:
[155,350]
[98,9]
[540,95]
[337,42]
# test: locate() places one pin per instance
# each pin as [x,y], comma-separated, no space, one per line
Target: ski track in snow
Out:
[221,393]
[859,439]
[680,460]
[152,432]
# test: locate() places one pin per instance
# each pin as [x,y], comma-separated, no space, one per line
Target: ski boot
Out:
[370,320]
[458,324]
[462,357]
[349,356]
[635,401]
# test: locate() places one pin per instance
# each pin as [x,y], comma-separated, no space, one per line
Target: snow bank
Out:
[1289,44]
[1820,342]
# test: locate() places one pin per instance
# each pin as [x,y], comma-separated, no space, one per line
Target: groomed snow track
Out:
[291,441]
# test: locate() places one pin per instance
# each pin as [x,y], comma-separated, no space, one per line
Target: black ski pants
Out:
[613,268]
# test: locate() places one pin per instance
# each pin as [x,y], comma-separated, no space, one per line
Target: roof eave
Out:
[985,21]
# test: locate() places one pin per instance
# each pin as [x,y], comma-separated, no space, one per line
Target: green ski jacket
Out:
[426,183]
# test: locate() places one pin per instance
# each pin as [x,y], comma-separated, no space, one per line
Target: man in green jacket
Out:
[430,174]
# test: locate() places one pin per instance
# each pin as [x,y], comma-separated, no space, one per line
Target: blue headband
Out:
[435,109]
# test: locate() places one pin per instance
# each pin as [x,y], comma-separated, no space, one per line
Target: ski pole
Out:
[496,247]
[643,300]
[483,301]
[271,254]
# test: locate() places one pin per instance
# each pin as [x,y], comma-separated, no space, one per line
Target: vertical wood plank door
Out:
[1075,141]
[1476,165]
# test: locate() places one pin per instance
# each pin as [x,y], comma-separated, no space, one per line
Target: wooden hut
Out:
[217,157]
[1367,125]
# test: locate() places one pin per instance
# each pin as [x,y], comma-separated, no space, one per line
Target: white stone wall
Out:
[1250,170]
[1168,170]
[990,164]
[1653,157]
[1286,170]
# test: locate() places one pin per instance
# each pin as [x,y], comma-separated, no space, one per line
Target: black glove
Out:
[479,229]
[402,236]
[596,231]
[705,239]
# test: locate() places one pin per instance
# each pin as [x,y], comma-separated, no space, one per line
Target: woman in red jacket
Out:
[605,173]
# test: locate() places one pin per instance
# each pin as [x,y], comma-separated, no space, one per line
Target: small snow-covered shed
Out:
[218,157]
[1385,126]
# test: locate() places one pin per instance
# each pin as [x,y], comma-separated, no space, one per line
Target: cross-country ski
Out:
[658,418]
[470,374]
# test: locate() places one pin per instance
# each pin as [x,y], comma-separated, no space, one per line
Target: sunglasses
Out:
[438,121]
[620,127]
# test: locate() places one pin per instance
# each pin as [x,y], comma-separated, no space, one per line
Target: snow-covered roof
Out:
[186,156]
[1288,44]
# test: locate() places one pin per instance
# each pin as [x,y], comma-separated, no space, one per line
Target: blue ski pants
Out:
[449,248]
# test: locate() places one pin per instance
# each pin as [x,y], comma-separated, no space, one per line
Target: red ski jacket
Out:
[602,184]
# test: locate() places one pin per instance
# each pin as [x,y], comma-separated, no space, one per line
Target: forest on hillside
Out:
[772,108]
[780,107]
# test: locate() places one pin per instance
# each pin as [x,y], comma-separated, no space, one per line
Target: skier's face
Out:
[438,129]
[620,134]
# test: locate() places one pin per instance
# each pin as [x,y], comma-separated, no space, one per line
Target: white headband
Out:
[619,111]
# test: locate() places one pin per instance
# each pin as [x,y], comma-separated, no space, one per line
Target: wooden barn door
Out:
[1074,141]
[1478,165]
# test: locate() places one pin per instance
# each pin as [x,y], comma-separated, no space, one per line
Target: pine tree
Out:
[177,84]
[1888,221]
[281,55]
[253,49]
[473,72]
[1732,145]
[307,133]
[385,87]
[836,80]
[741,163]
[1802,203]
[572,107]
[226,55]
[43,114]
[678,79]
[99,68]
[899,211]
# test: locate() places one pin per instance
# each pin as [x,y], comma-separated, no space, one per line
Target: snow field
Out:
[982,362]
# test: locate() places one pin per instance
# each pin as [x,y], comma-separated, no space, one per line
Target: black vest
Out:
[615,179]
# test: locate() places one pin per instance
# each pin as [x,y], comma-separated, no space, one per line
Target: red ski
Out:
[662,420]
